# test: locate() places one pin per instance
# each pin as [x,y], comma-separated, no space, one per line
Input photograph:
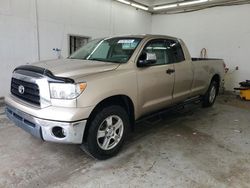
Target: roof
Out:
[143,36]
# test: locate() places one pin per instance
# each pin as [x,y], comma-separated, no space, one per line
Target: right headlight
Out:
[66,91]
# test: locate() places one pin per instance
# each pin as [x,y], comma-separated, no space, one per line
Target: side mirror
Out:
[146,59]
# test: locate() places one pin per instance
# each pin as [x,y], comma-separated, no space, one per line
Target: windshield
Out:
[117,50]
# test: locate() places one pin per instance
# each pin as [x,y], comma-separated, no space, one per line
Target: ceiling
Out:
[178,9]
[155,2]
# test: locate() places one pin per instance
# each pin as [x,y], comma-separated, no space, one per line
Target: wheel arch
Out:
[121,100]
[217,79]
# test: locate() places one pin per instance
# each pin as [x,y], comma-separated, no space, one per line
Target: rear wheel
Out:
[211,94]
[107,132]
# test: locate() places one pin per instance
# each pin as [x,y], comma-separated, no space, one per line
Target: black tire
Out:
[93,145]
[211,94]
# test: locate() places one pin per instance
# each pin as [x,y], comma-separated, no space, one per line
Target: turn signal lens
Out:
[82,86]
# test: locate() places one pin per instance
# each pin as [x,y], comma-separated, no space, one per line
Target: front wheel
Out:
[210,95]
[107,132]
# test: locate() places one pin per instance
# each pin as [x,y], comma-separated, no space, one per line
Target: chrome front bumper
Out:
[40,128]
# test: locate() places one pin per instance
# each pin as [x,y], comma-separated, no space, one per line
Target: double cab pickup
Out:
[95,96]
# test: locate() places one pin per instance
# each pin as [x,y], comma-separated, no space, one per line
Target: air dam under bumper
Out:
[54,131]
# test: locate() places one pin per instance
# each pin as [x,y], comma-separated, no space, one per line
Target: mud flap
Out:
[84,147]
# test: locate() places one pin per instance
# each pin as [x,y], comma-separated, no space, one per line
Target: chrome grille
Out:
[30,92]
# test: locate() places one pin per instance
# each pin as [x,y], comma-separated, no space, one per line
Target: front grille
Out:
[31,91]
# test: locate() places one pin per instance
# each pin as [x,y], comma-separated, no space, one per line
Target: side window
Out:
[159,48]
[174,48]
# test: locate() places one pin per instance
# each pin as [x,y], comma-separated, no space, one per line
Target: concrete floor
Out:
[193,148]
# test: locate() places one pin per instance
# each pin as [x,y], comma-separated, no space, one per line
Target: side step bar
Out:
[178,106]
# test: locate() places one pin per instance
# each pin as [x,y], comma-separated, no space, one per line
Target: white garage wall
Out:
[94,18]
[57,19]
[17,38]
[223,31]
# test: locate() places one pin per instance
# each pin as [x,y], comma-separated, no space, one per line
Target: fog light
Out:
[58,132]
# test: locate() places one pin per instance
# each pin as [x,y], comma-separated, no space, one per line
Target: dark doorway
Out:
[75,42]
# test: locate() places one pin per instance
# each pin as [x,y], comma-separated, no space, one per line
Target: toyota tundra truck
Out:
[94,97]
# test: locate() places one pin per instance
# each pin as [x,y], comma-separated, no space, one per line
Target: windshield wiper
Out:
[95,59]
[103,60]
[75,58]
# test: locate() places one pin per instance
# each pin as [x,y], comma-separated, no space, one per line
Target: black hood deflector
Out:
[44,72]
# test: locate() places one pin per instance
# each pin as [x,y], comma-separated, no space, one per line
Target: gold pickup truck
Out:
[95,96]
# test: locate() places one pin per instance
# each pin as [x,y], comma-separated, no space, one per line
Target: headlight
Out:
[66,91]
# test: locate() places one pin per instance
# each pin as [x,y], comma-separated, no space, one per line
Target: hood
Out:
[74,68]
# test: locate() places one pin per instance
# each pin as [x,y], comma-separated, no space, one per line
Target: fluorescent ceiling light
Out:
[139,6]
[165,7]
[192,2]
[124,1]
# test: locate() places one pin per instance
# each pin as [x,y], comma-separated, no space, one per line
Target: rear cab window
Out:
[175,51]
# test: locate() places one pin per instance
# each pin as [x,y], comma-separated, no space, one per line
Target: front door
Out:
[156,82]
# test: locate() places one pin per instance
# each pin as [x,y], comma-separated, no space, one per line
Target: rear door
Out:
[183,71]
[156,82]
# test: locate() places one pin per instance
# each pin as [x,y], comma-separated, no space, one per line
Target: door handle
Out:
[170,71]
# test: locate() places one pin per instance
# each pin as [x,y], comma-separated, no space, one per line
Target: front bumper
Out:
[40,128]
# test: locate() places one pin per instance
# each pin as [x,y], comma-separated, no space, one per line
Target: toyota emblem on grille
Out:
[21,89]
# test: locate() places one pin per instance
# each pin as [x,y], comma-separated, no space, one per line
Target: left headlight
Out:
[66,91]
